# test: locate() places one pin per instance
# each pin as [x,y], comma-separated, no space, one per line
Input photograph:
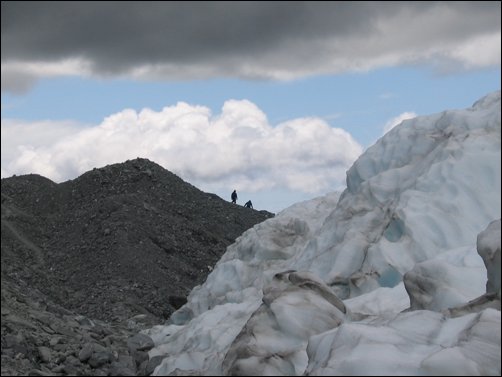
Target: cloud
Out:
[237,148]
[18,77]
[397,120]
[251,40]
[22,142]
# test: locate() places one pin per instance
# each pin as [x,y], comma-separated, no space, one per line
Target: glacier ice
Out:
[384,278]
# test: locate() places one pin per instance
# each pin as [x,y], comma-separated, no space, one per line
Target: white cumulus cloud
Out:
[237,148]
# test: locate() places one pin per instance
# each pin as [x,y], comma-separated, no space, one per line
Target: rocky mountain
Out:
[88,262]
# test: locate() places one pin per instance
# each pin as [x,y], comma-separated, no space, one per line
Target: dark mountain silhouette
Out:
[119,245]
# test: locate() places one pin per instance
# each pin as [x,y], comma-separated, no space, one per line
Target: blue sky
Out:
[361,103]
[278,103]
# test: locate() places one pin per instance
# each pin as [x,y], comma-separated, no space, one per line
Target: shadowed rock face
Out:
[120,242]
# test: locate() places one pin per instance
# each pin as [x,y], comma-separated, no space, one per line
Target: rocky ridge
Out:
[88,263]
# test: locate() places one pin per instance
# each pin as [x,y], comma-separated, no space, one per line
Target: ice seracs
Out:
[488,244]
[383,279]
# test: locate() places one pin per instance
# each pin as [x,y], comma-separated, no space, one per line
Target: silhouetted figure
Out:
[248,204]
[234,197]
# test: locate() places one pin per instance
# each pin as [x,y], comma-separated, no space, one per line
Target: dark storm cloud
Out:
[246,39]
[126,34]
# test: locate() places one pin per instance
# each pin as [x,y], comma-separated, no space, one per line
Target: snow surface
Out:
[383,279]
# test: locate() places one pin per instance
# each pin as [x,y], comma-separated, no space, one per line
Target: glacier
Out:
[397,275]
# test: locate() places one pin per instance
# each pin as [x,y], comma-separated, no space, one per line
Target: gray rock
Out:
[98,347]
[63,330]
[45,354]
[54,340]
[71,370]
[86,352]
[58,369]
[60,347]
[38,372]
[142,368]
[10,341]
[117,369]
[60,358]
[102,372]
[153,363]
[140,357]
[140,342]
[84,321]
[8,353]
[127,361]
[72,360]
[99,358]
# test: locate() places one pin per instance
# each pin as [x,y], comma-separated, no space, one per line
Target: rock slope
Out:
[88,262]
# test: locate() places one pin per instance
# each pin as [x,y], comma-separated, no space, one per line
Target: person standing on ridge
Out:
[234,197]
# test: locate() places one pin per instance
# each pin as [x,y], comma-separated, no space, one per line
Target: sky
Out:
[273,99]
